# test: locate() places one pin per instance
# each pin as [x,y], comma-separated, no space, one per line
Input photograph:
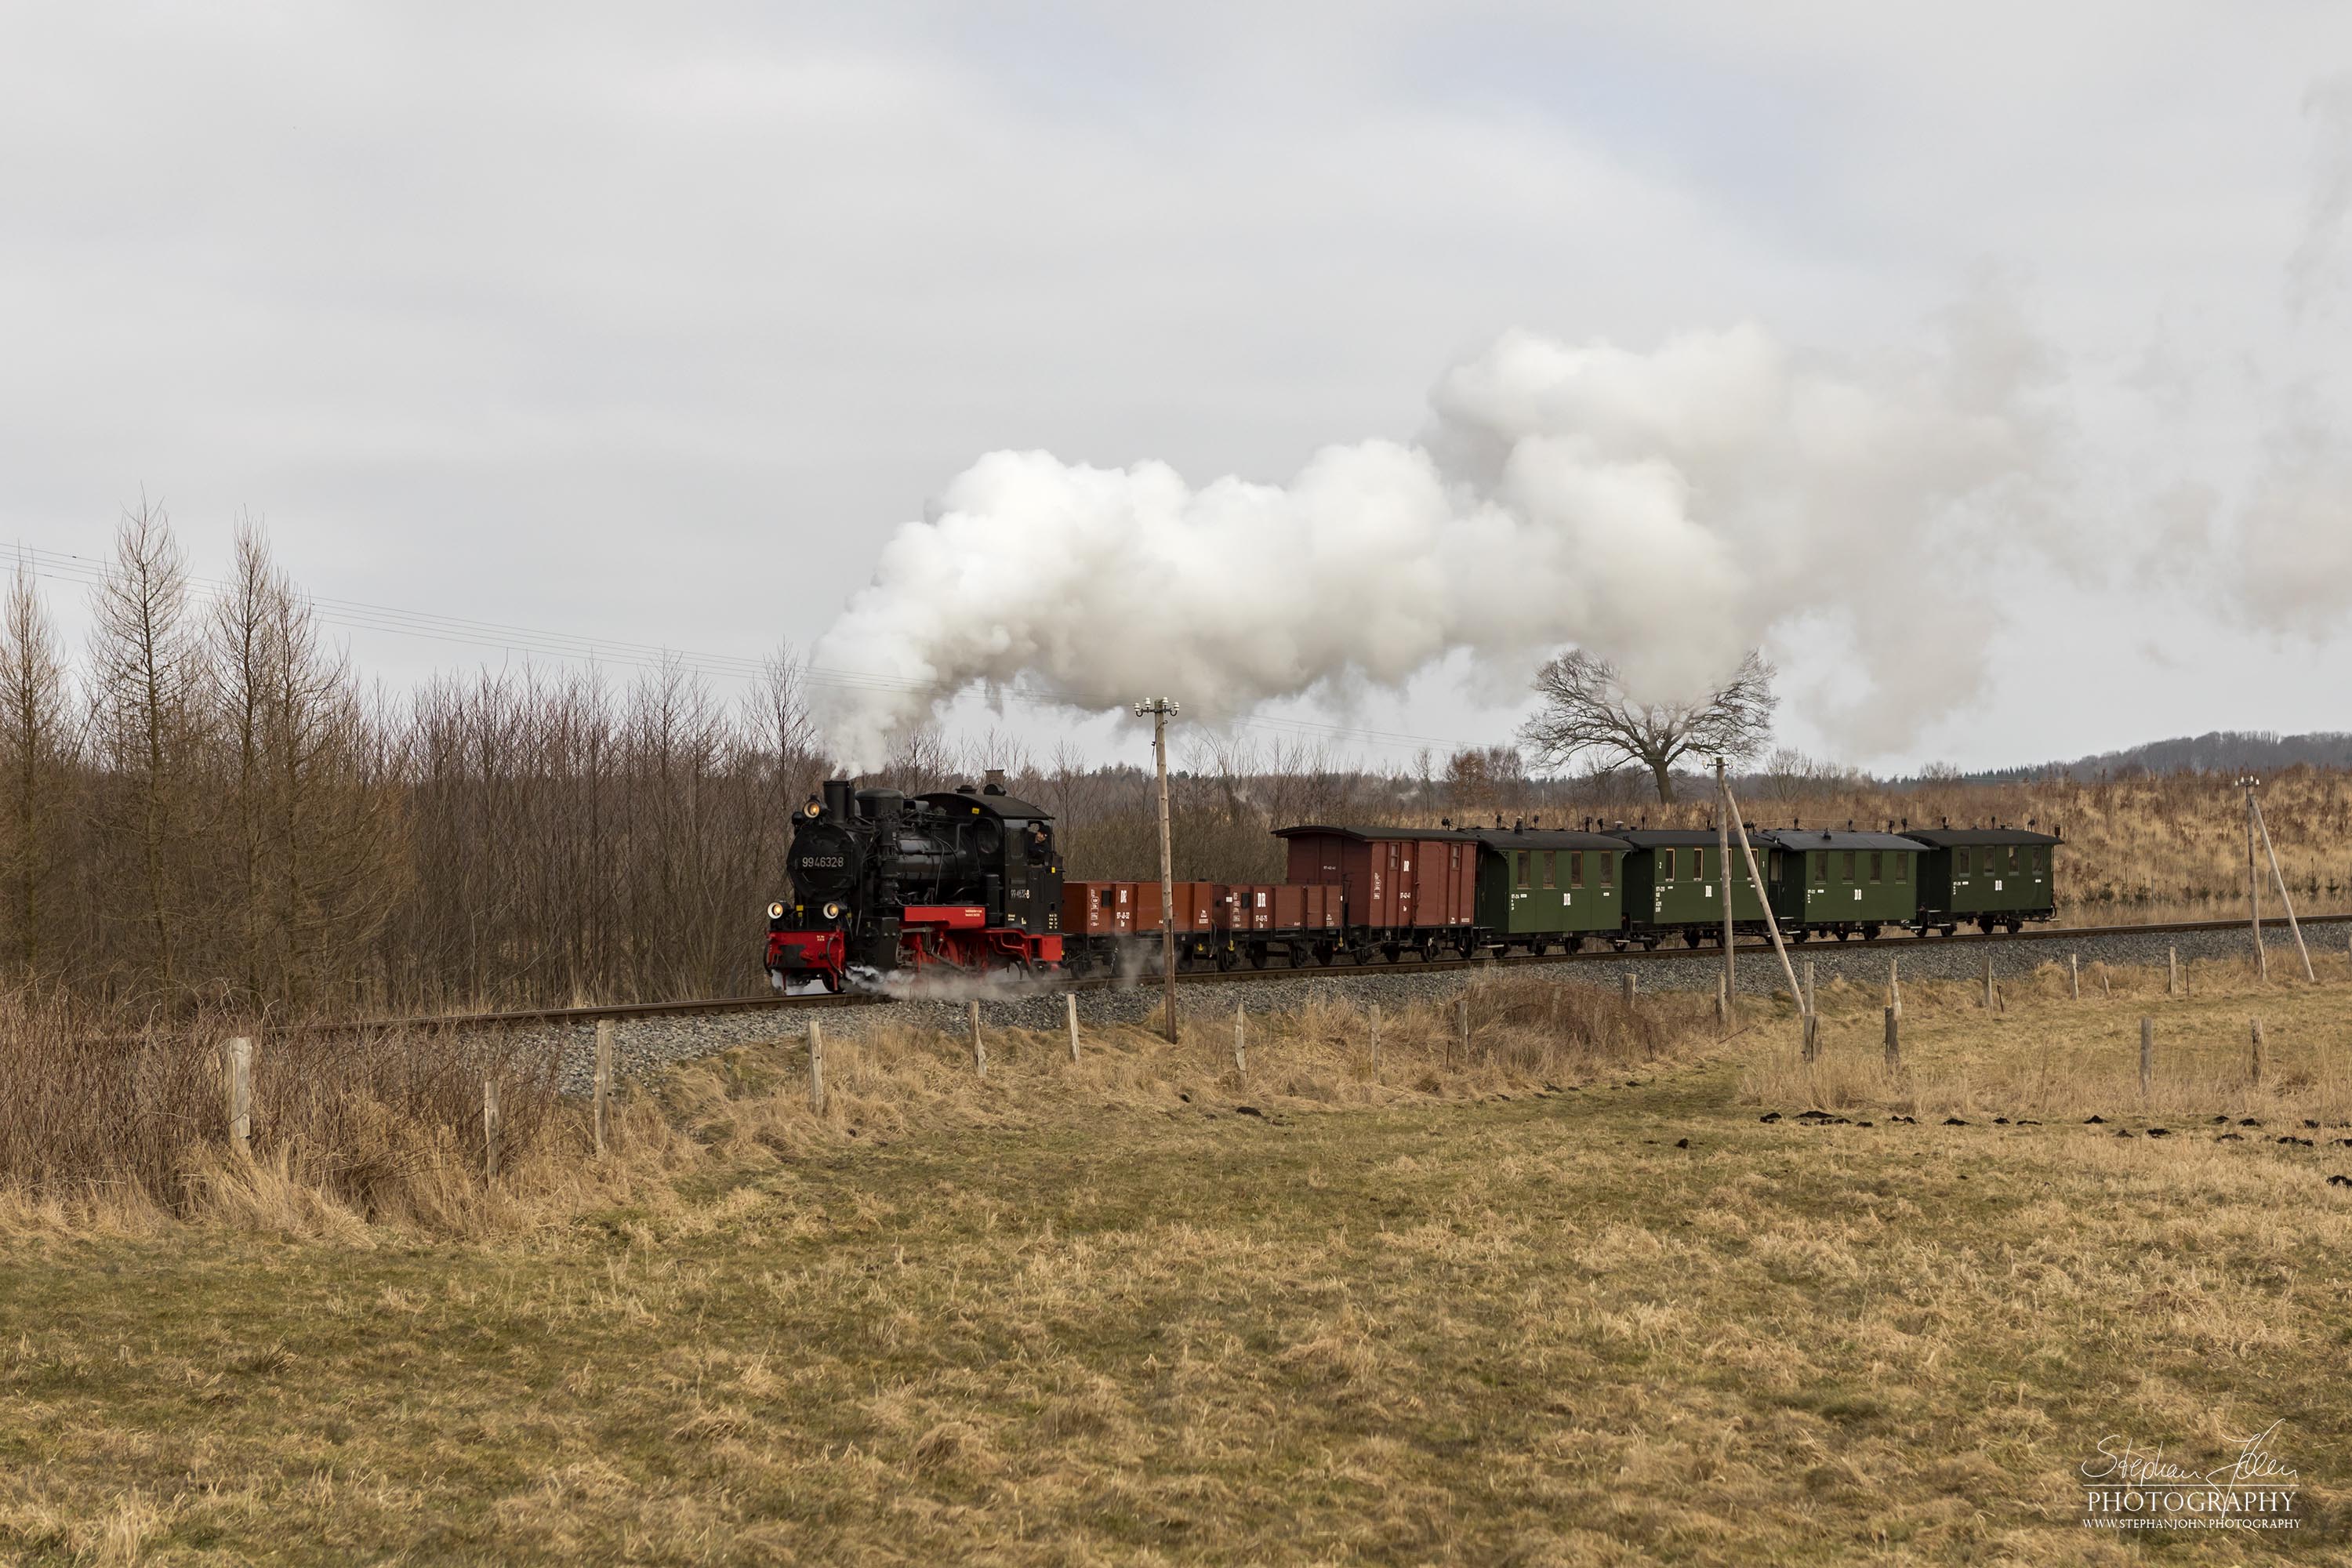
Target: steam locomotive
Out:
[882,884]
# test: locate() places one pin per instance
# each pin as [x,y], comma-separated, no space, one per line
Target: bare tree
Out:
[38,745]
[150,682]
[1587,710]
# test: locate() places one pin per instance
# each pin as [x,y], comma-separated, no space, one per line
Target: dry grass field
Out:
[1563,1299]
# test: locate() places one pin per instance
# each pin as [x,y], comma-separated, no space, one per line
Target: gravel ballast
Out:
[645,1045]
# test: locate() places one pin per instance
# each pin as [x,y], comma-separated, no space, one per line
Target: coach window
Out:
[1551,868]
[1524,856]
[1903,868]
[1576,868]
[1820,865]
[1607,869]
[2042,859]
[1849,866]
[1877,865]
[1665,865]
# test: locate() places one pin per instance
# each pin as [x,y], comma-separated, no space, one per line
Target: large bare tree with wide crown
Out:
[1586,710]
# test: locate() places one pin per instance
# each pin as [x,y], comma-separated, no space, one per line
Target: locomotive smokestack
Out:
[837,798]
[995,784]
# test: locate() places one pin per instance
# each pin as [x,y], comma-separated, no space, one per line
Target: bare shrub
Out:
[387,1124]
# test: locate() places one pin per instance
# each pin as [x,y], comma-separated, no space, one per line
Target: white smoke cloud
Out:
[1667,510]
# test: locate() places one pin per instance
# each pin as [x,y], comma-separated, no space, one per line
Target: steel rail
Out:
[541,1016]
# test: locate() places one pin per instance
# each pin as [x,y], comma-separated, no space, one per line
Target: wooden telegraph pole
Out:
[2253,883]
[1772,921]
[2285,898]
[1160,709]
[1723,871]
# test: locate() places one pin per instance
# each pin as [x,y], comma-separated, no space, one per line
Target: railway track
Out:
[558,1017]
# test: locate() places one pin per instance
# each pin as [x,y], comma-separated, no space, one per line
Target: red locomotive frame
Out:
[932,938]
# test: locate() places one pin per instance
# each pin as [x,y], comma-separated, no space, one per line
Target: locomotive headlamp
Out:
[812,808]
[832,911]
[776,911]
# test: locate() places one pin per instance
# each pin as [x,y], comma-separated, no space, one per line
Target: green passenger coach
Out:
[1843,883]
[1540,889]
[1994,876]
[1673,885]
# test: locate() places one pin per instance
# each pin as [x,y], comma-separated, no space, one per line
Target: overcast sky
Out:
[652,324]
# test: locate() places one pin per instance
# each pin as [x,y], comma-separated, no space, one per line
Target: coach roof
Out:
[1507,839]
[1948,837]
[1835,839]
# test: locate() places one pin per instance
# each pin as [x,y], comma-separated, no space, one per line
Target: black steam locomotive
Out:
[883,884]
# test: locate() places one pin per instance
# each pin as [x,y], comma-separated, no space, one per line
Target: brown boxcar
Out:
[1196,906]
[1389,879]
[1289,907]
[1098,908]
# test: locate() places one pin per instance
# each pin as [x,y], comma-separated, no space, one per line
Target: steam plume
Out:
[1668,509]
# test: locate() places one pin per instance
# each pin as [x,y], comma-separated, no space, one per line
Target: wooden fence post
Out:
[816,1066]
[1375,1036]
[2106,983]
[2172,971]
[237,1063]
[1810,1008]
[2000,998]
[490,1129]
[1070,1006]
[1465,1030]
[1895,983]
[979,1048]
[604,1083]
[1893,1040]
[1813,1036]
[1988,974]
[1241,1044]
[2146,1057]
[2255,1066]
[2074,975]
[1555,1010]
[1631,985]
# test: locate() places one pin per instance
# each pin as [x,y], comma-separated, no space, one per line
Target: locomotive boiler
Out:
[890,886]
